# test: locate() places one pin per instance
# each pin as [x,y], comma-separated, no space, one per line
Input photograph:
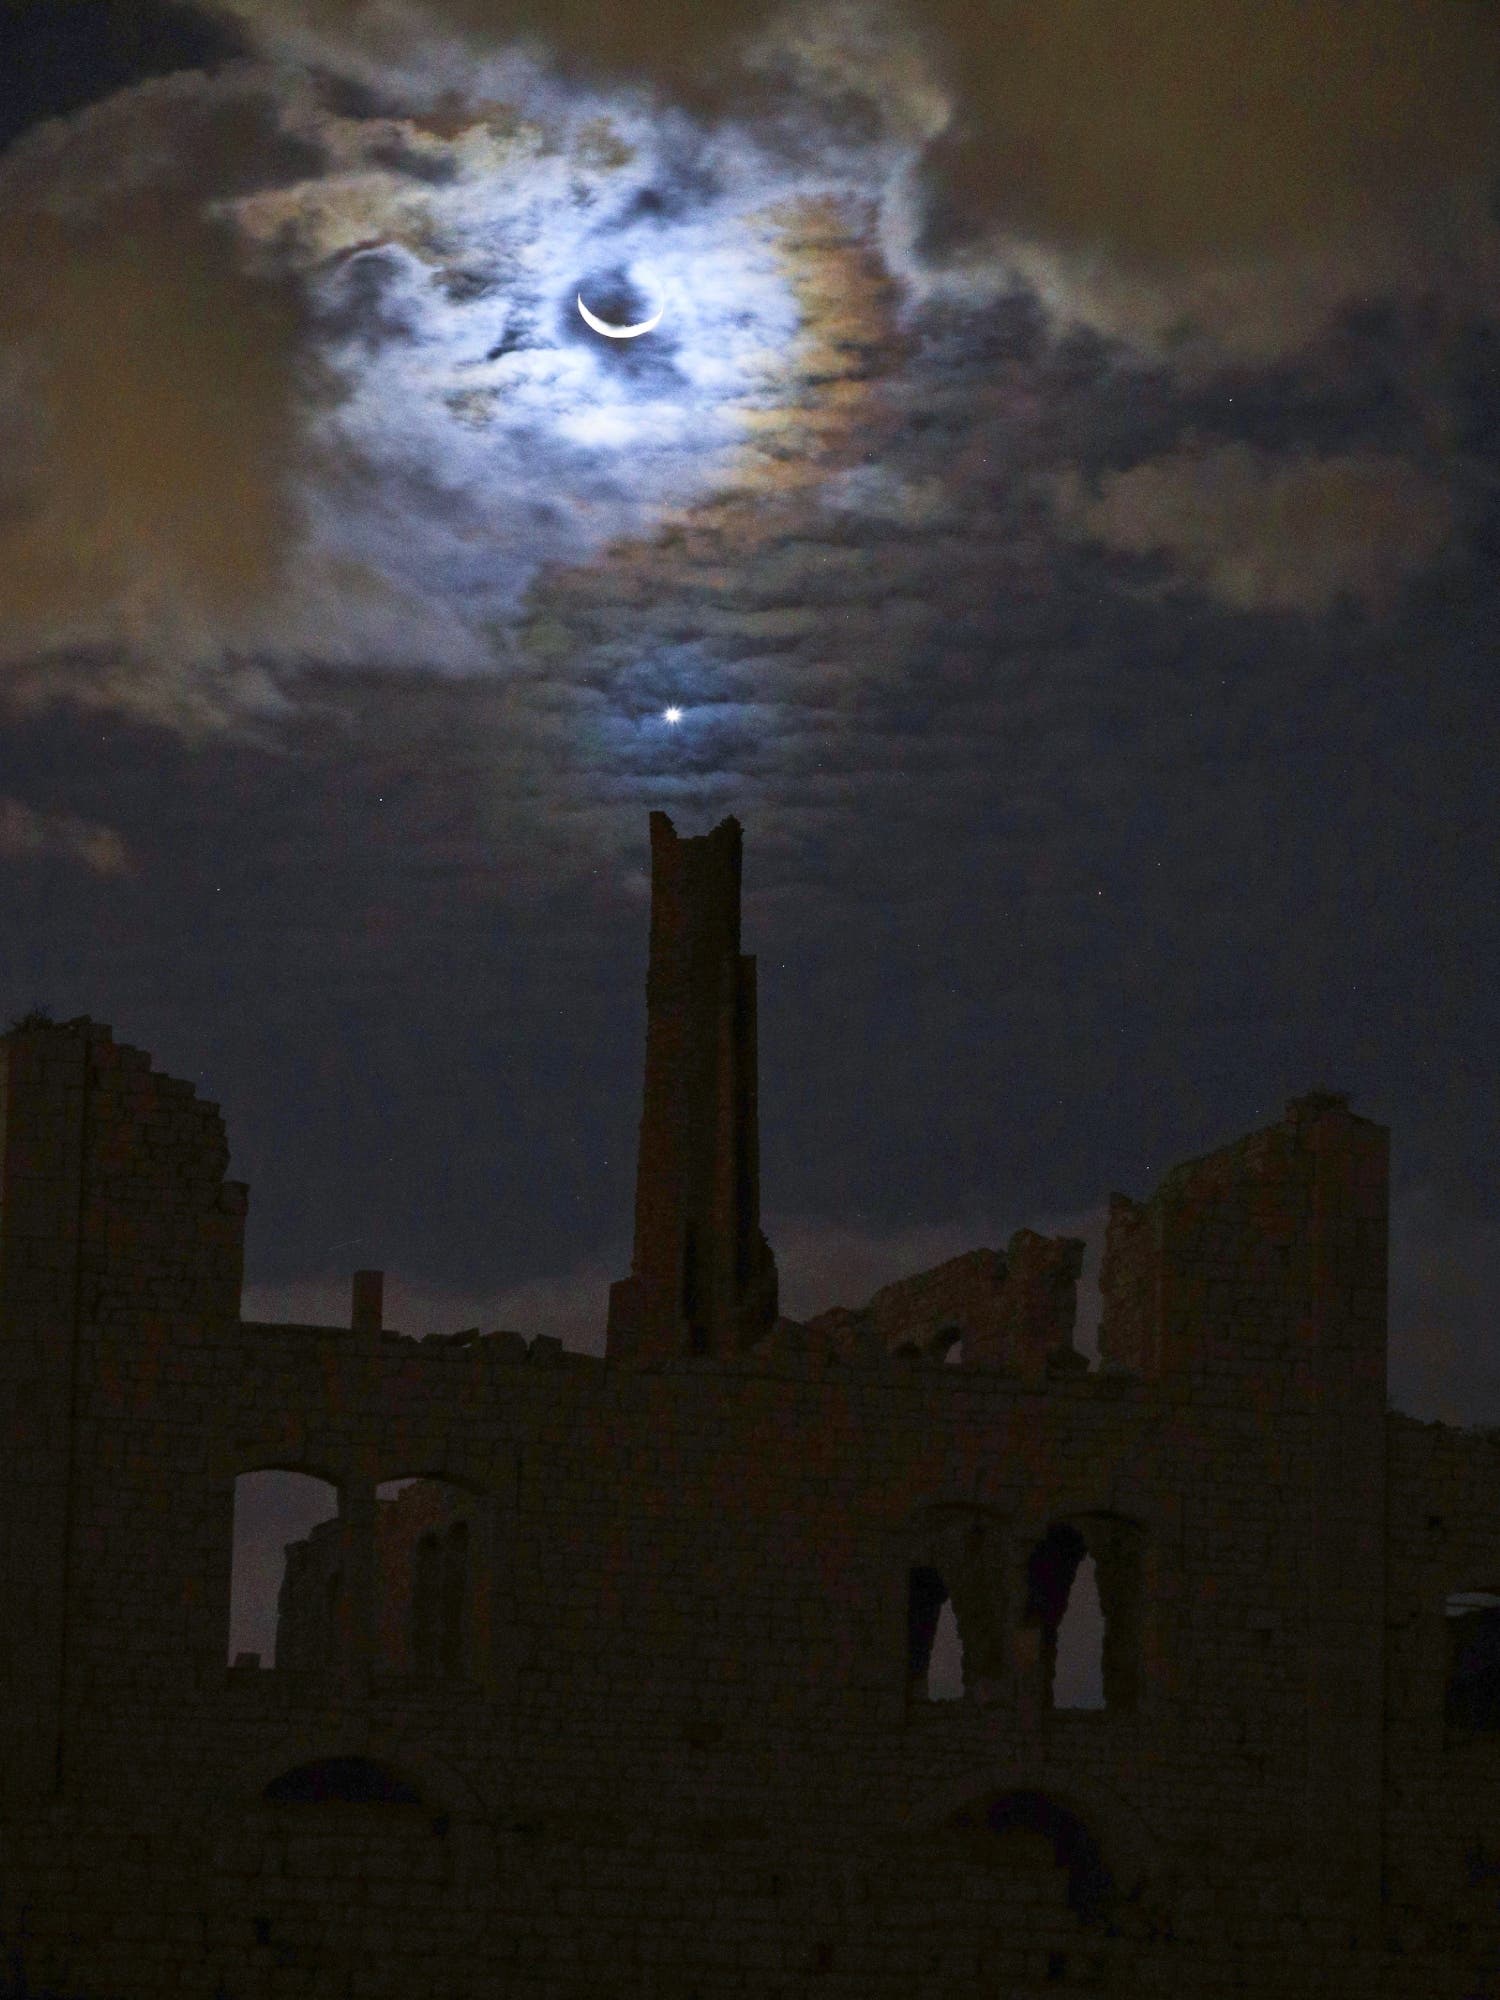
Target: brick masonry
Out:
[632,1704]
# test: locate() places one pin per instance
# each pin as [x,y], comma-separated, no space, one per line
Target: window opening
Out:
[1078,1678]
[926,1597]
[945,1666]
[285,1543]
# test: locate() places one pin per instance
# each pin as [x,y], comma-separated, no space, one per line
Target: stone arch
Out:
[265,1508]
[291,1877]
[956,1553]
[926,1595]
[228,1460]
[235,1814]
[437,1782]
[1129,1850]
[434,1467]
[1054,1826]
[1048,1550]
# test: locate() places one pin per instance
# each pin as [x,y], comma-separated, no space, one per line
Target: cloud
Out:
[152,434]
[26,834]
[1262,531]
[296,380]
[1238,170]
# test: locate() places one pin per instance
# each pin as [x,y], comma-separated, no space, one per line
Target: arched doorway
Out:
[325,1843]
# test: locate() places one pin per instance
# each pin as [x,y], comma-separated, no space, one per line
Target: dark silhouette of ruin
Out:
[626,1692]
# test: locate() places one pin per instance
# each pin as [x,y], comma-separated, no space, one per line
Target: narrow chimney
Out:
[369,1297]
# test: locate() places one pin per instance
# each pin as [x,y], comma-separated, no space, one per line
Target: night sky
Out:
[1062,497]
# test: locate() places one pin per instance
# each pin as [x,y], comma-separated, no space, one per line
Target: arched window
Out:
[1083,1590]
[945,1668]
[1050,1570]
[956,1596]
[926,1595]
[1078,1677]
[285,1544]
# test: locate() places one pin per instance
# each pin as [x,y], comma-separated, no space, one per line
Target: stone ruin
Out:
[626,1694]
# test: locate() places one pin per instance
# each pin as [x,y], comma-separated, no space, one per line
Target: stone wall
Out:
[683,1751]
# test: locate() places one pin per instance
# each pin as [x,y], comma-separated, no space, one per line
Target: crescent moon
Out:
[619,332]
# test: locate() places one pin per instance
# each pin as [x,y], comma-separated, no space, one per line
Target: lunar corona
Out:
[619,332]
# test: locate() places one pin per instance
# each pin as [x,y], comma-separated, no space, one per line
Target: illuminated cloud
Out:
[306,383]
[1262,532]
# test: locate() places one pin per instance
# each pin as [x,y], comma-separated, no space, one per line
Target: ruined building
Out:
[627,1695]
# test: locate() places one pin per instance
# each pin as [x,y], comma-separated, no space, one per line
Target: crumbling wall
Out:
[1007,1312]
[1130,1287]
[416,1569]
[114,1212]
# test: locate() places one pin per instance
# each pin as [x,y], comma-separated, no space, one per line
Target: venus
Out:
[619,332]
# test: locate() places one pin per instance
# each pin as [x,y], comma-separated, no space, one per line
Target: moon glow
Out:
[619,332]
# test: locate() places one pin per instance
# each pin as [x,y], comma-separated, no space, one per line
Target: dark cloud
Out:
[1280,532]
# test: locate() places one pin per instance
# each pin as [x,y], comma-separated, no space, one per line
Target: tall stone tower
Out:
[703,1278]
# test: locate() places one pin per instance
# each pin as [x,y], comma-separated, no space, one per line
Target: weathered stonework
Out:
[633,1705]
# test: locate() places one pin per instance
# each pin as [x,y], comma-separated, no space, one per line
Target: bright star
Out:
[672,715]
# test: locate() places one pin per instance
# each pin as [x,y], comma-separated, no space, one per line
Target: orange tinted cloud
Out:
[154,430]
[1261,531]
[26,834]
